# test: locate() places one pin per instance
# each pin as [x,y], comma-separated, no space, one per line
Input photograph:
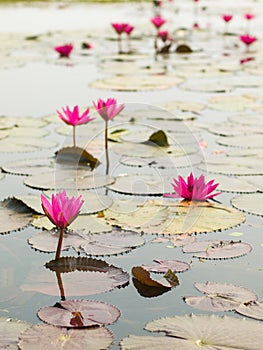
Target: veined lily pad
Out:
[68,180]
[25,144]
[79,313]
[10,330]
[220,297]
[163,266]
[218,249]
[137,83]
[191,332]
[251,203]
[44,337]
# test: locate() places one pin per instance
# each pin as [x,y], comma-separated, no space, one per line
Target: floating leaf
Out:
[163,265]
[218,249]
[13,215]
[99,276]
[79,313]
[177,241]
[142,275]
[158,138]
[9,332]
[206,331]
[253,309]
[44,337]
[68,180]
[251,203]
[14,144]
[244,141]
[232,184]
[76,156]
[29,166]
[231,103]
[136,83]
[220,297]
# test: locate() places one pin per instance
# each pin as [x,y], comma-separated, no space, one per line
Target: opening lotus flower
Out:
[194,189]
[61,211]
[64,50]
[74,117]
[107,109]
[227,18]
[128,29]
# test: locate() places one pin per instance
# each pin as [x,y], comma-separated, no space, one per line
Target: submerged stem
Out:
[59,243]
[119,43]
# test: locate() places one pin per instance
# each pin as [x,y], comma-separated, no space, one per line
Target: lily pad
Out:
[244,141]
[251,203]
[143,276]
[68,180]
[13,215]
[79,313]
[44,337]
[253,309]
[184,106]
[76,156]
[10,330]
[229,103]
[191,332]
[29,166]
[24,144]
[177,241]
[218,249]
[137,83]
[163,266]
[233,184]
[220,297]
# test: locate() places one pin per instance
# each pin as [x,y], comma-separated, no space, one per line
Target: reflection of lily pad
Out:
[251,203]
[44,337]
[137,83]
[79,313]
[220,297]
[217,249]
[206,331]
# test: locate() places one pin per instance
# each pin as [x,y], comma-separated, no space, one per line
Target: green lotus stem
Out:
[60,240]
[74,136]
[106,147]
[60,285]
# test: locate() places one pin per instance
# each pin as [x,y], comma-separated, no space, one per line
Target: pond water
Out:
[35,83]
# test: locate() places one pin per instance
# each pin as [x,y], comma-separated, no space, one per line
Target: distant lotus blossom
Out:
[61,211]
[119,27]
[246,60]
[74,117]
[164,35]
[249,16]
[108,109]
[64,50]
[195,189]
[227,18]
[247,39]
[128,29]
[158,21]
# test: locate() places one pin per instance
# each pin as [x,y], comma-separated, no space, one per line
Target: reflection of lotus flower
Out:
[107,110]
[64,50]
[61,211]
[73,117]
[194,189]
[164,35]
[227,18]
[158,21]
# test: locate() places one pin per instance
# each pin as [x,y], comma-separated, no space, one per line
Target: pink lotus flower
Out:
[108,109]
[247,39]
[61,211]
[158,21]
[64,50]
[119,27]
[73,117]
[195,189]
[227,18]
[128,29]
[249,16]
